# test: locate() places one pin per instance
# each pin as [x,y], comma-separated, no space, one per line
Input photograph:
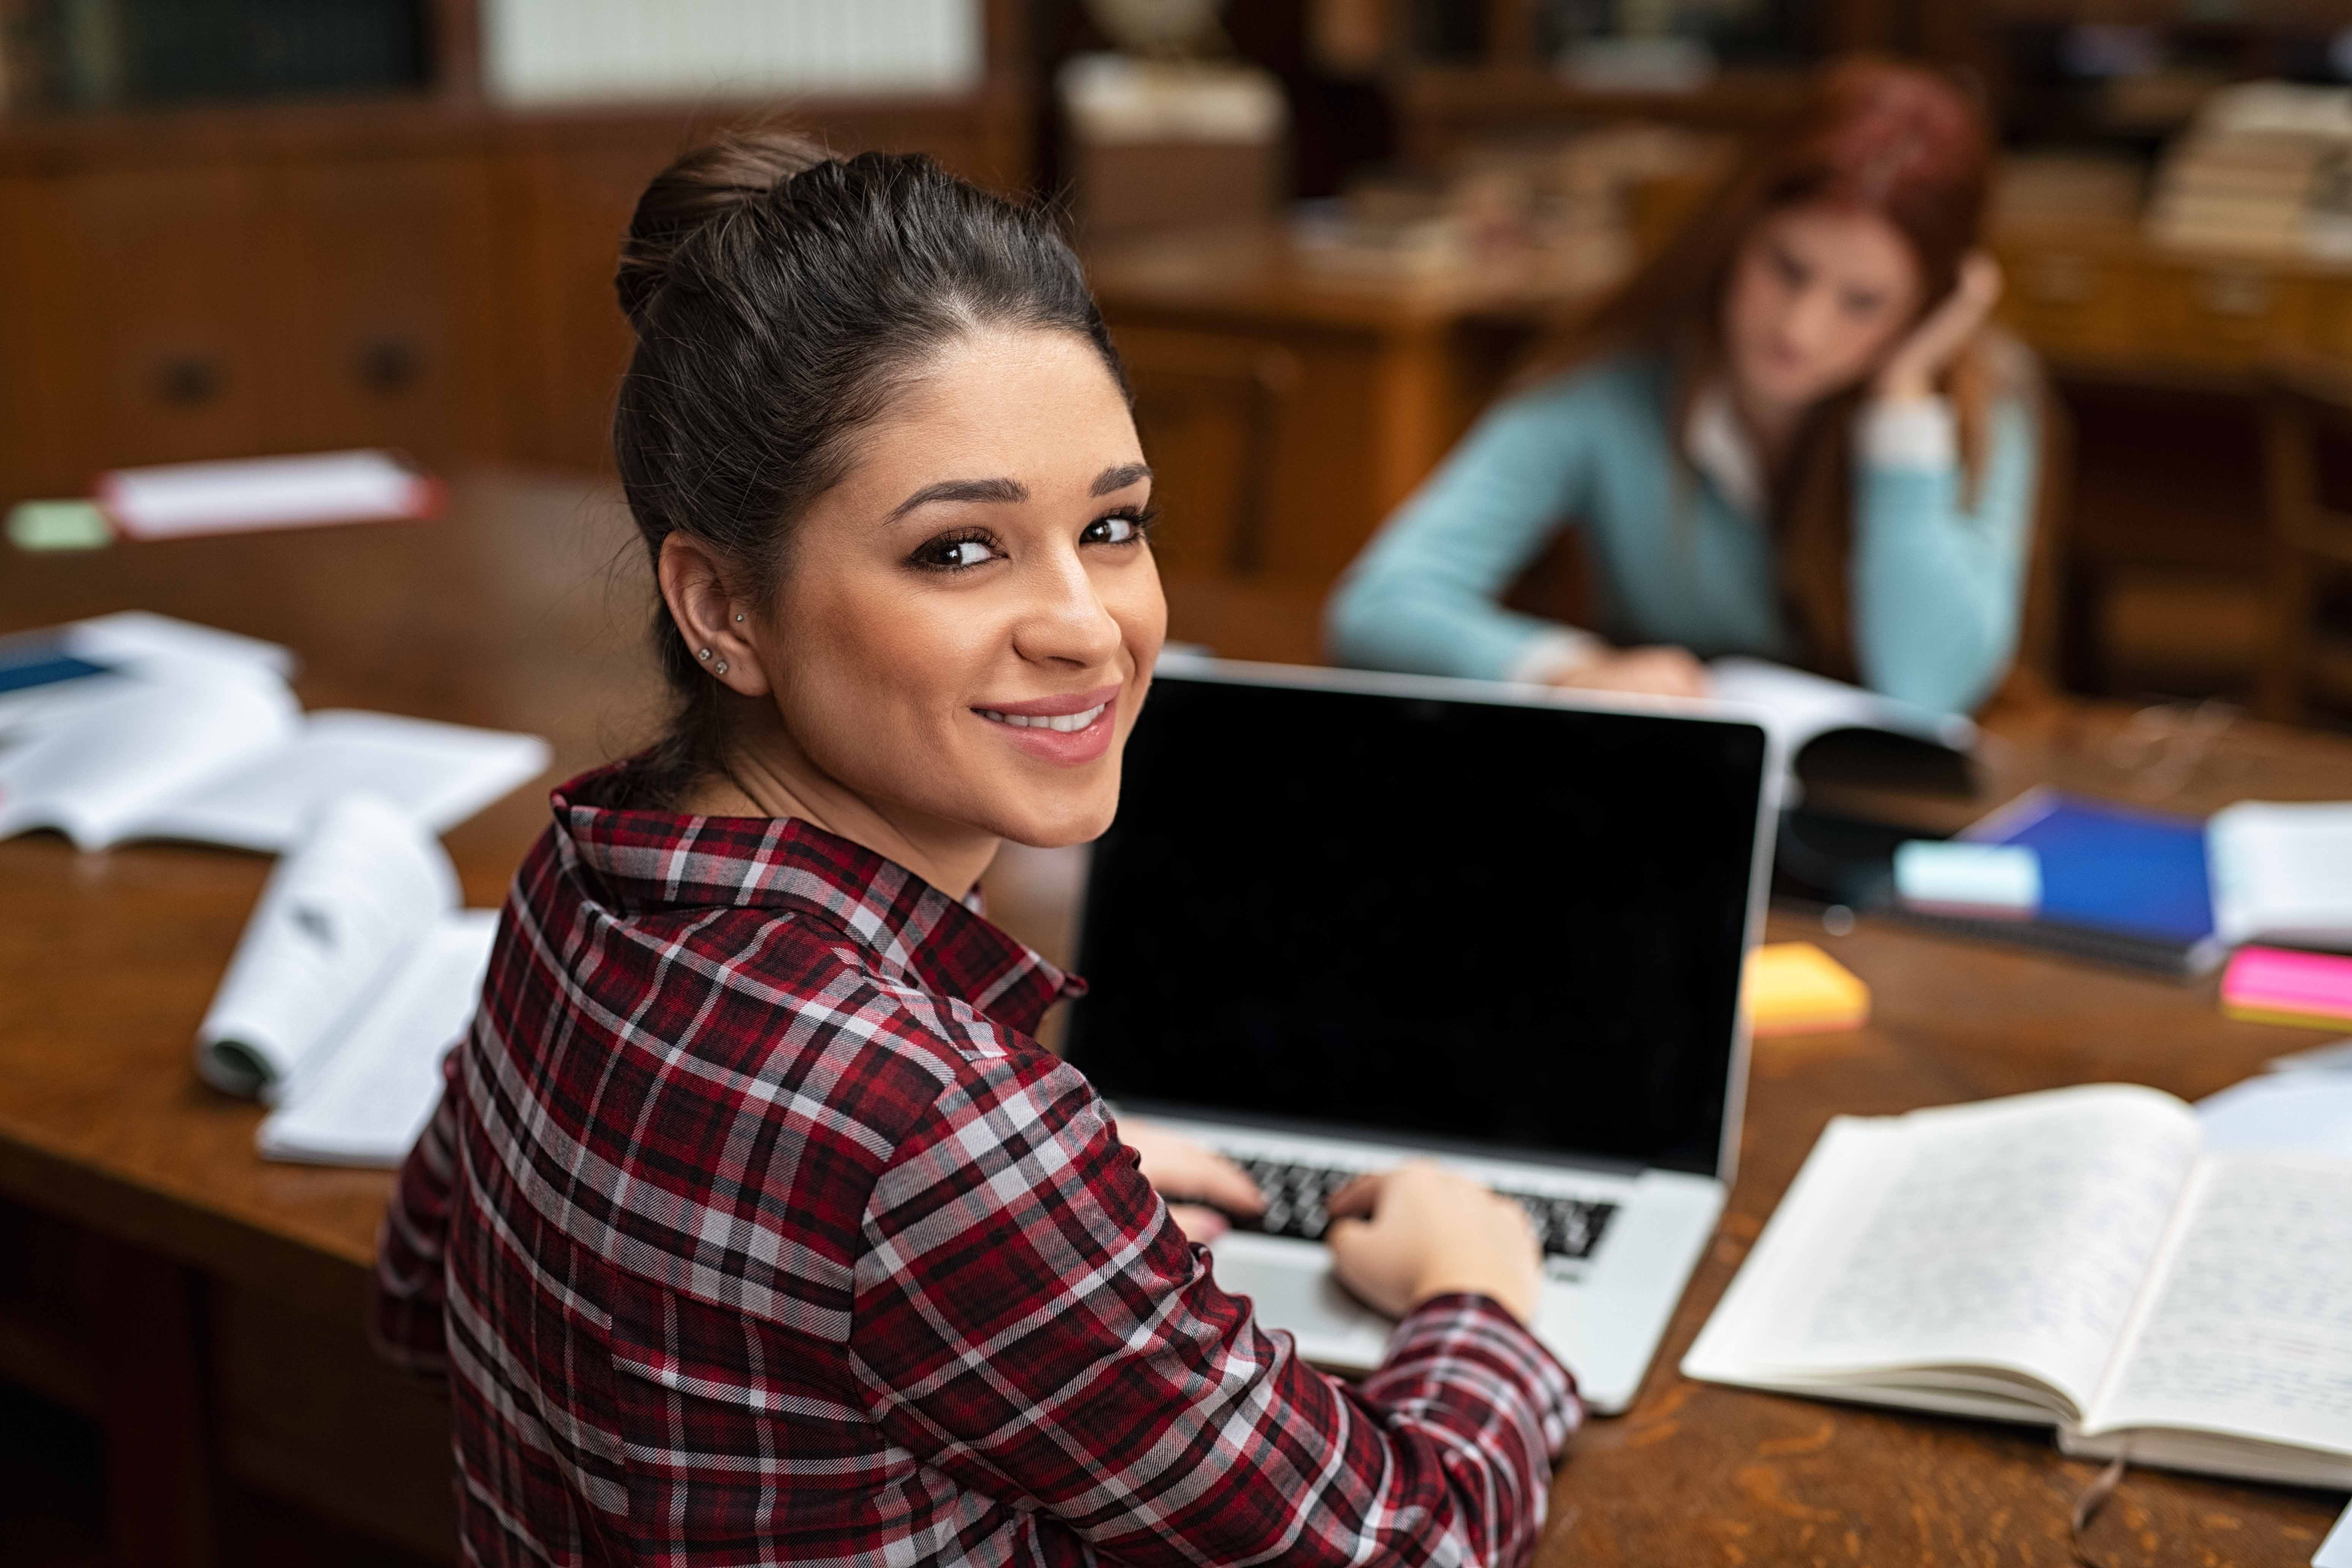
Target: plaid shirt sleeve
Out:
[405,1319]
[1027,1319]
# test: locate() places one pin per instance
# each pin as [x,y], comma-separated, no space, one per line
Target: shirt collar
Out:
[644,862]
[1718,446]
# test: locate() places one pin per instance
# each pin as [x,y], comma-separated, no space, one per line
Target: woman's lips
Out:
[1065,730]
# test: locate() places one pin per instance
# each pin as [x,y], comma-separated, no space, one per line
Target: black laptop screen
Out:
[1464,920]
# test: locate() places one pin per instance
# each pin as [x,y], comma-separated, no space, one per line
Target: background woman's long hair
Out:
[1873,136]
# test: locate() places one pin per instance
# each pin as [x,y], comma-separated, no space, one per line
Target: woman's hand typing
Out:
[1178,1169]
[1419,1231]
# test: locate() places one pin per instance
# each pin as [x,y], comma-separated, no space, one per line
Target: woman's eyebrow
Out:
[1118,479]
[1001,490]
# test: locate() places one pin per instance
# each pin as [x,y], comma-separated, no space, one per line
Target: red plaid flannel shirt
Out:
[754,1227]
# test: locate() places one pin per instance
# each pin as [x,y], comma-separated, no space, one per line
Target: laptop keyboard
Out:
[1296,1196]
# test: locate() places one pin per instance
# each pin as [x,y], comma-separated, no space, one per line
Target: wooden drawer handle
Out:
[388,366]
[2061,280]
[190,380]
[2235,293]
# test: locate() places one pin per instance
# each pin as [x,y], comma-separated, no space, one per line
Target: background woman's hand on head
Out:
[1178,1169]
[1912,369]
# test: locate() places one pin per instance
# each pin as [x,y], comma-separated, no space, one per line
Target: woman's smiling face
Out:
[966,624]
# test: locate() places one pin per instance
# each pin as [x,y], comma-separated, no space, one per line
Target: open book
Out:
[2073,1259]
[1826,729]
[356,972]
[48,674]
[219,751]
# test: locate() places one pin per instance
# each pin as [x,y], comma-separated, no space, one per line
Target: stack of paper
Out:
[179,501]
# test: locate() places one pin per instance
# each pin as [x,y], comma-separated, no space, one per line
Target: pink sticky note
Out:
[2275,984]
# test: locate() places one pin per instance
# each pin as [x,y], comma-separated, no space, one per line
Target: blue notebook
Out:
[2110,867]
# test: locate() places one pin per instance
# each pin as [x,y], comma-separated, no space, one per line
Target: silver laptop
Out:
[1343,920]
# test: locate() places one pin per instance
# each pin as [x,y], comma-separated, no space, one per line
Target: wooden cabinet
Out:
[2069,298]
[141,296]
[2220,313]
[179,312]
[386,332]
[2109,304]
[431,277]
[1212,412]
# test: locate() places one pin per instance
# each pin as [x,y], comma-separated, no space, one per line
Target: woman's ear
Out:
[715,622]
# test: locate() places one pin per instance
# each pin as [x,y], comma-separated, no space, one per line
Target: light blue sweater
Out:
[1935,586]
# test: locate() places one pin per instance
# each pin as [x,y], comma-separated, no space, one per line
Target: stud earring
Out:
[703,654]
[720,667]
[738,615]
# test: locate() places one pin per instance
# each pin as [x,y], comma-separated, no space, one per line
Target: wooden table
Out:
[205,1304]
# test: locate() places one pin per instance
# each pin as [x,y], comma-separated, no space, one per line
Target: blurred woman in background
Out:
[1791,435]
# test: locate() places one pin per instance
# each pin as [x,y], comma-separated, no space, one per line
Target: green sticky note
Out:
[57,525]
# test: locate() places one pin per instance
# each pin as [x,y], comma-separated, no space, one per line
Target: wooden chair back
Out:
[2306,410]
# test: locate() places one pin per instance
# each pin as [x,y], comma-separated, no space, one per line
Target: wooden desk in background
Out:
[1288,410]
[206,1305]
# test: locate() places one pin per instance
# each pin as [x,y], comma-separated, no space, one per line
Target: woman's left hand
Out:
[1911,369]
[1178,1169]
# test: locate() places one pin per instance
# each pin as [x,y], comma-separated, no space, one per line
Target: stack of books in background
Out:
[2265,168]
[1558,215]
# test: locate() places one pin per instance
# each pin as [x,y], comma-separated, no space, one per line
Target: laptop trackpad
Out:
[1290,1285]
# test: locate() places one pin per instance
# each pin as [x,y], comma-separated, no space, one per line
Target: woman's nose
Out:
[1809,320]
[1066,620]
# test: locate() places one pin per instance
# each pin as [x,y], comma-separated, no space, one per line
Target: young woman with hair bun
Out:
[754,1226]
[1791,435]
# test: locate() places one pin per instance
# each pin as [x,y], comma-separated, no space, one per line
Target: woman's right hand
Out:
[1652,672]
[1402,1236]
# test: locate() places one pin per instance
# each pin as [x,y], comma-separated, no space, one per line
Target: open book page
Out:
[439,774]
[2246,1325]
[2010,1237]
[335,918]
[1799,706]
[363,1098]
[95,776]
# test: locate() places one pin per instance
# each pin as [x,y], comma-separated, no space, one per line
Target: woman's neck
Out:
[1771,425]
[767,775]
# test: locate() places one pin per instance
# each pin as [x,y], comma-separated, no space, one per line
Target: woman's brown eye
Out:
[954,554]
[1112,531]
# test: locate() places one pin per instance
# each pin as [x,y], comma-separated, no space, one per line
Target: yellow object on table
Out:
[1795,988]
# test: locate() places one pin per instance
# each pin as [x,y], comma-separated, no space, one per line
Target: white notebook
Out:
[355,974]
[2282,872]
[219,751]
[2075,1258]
